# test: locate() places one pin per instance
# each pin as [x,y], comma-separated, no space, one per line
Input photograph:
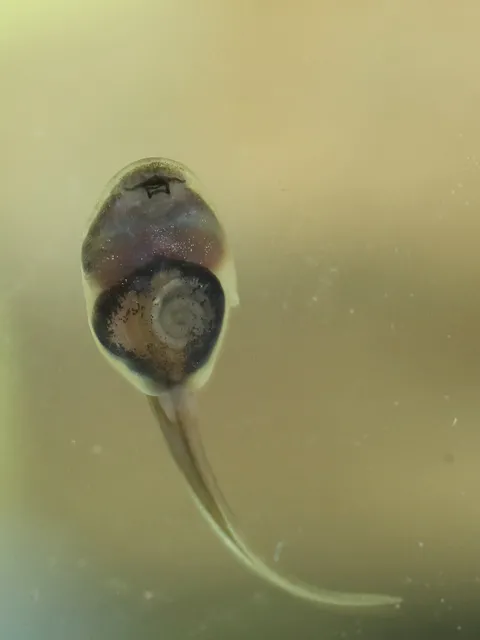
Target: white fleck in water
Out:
[97,449]
[74,442]
[455,420]
[421,544]
[351,311]
[452,192]
[278,550]
[148,595]
[314,298]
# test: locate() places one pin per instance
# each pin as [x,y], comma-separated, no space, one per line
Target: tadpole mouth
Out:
[157,183]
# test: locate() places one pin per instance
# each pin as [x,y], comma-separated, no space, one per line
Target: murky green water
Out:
[341,145]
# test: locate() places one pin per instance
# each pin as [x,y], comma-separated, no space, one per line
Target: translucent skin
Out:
[151,228]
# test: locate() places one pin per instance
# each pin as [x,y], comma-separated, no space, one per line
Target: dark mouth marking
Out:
[155,184]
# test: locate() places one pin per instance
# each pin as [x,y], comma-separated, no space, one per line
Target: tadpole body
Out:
[160,284]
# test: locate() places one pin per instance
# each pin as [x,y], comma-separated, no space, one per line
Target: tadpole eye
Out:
[163,321]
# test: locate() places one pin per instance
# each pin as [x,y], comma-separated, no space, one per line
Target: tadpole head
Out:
[158,276]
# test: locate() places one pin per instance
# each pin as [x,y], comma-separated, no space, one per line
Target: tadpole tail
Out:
[184,442]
